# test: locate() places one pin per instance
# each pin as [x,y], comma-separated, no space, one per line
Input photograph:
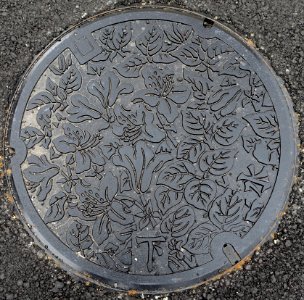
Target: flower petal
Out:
[168,110]
[64,145]
[154,75]
[96,156]
[75,211]
[119,213]
[153,133]
[83,162]
[118,129]
[149,96]
[108,186]
[76,134]
[180,94]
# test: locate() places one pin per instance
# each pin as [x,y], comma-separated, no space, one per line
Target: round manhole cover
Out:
[153,149]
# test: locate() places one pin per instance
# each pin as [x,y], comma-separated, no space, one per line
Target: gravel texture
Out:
[276,27]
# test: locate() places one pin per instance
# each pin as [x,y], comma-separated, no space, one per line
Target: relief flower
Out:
[82,145]
[162,92]
[136,123]
[102,200]
[93,201]
[111,213]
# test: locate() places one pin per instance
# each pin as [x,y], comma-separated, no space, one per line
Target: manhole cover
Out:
[154,149]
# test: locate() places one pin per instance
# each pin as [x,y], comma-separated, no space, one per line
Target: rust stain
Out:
[133,292]
[9,197]
[240,265]
[56,263]
[7,172]
[296,179]
[86,275]
[250,42]
[298,117]
[257,249]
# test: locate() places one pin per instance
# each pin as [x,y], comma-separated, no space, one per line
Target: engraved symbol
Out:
[151,241]
[84,47]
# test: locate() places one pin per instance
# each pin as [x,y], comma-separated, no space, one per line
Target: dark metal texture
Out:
[154,149]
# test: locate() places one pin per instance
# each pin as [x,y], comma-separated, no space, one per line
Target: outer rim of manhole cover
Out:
[266,223]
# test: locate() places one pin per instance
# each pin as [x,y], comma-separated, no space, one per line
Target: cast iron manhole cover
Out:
[154,149]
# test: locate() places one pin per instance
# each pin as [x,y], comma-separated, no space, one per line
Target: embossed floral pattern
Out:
[142,155]
[162,92]
[82,146]
[133,125]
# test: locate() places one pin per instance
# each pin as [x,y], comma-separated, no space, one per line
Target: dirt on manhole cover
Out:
[153,149]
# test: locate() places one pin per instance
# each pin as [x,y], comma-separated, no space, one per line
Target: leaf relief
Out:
[40,173]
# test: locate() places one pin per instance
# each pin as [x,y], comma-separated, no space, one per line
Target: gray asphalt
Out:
[276,27]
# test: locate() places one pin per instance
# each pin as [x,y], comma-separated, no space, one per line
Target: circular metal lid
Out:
[153,149]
